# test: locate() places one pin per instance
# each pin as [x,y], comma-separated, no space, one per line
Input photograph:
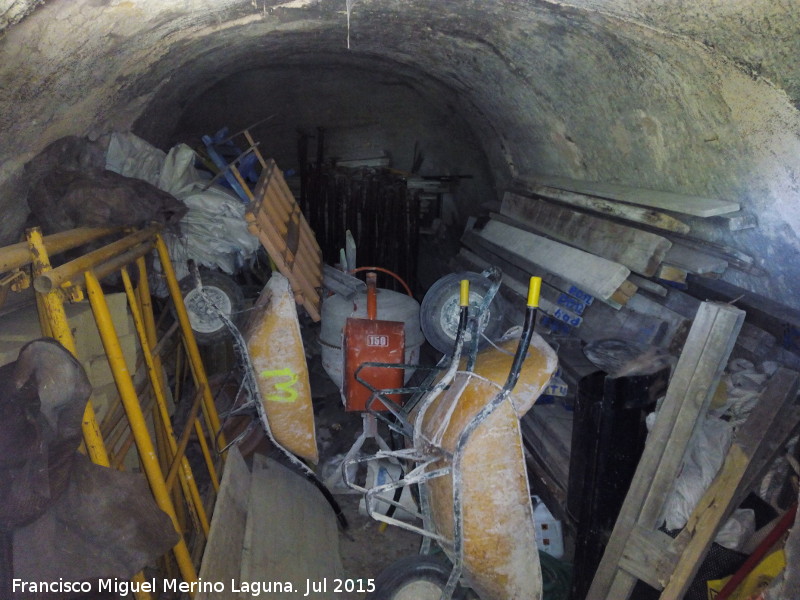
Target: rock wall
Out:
[650,93]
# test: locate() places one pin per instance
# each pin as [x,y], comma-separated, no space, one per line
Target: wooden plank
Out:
[223,553]
[672,275]
[773,317]
[598,276]
[697,206]
[693,382]
[649,556]
[291,533]
[472,240]
[647,285]
[709,227]
[606,207]
[640,251]
[548,301]
[719,500]
[694,261]
[677,325]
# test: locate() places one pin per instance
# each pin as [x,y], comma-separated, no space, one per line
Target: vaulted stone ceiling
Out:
[693,97]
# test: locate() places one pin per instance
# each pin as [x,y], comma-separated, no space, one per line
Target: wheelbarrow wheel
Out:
[224,292]
[439,311]
[420,577]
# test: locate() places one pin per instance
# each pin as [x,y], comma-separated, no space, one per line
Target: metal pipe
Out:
[113,265]
[147,453]
[188,483]
[201,438]
[179,452]
[68,271]
[193,352]
[59,327]
[19,255]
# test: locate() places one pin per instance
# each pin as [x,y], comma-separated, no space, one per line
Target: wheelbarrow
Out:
[464,454]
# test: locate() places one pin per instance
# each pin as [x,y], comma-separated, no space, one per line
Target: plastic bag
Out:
[705,457]
[131,156]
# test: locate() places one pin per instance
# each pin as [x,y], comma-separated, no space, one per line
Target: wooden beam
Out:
[648,286]
[223,553]
[606,207]
[649,556]
[672,275]
[640,251]
[778,319]
[598,276]
[692,260]
[697,206]
[474,241]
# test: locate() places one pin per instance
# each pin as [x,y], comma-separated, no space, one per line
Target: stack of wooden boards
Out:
[597,245]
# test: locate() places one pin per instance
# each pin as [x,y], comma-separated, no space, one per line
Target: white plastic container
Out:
[549,536]
[392,306]
[380,472]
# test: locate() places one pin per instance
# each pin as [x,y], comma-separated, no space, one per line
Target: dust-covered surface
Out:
[276,350]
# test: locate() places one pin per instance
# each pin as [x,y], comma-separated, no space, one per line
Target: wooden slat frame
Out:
[275,218]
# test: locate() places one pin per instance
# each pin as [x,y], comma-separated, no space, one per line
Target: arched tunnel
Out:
[697,99]
[657,95]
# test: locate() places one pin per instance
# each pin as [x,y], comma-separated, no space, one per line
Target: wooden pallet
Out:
[275,217]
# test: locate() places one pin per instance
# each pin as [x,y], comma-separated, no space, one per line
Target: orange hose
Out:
[388,272]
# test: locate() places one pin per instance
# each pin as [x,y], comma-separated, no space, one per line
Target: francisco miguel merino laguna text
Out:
[254,588]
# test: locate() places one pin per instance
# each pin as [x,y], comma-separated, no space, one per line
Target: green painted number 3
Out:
[286,388]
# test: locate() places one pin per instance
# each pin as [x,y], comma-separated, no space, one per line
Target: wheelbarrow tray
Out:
[281,371]
[500,557]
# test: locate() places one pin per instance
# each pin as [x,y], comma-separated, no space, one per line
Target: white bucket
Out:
[549,536]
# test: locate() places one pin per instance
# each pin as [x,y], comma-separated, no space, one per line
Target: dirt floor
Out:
[366,548]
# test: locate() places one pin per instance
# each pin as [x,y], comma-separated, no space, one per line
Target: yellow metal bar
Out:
[201,437]
[183,441]
[152,337]
[44,323]
[127,393]
[59,328]
[188,482]
[209,410]
[146,303]
[57,277]
[19,255]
